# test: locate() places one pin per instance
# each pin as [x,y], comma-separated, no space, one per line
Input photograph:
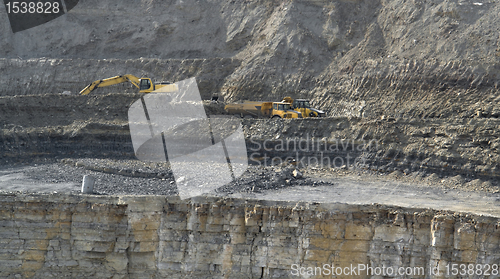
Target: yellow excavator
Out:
[144,84]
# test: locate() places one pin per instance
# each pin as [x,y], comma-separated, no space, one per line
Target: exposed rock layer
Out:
[56,236]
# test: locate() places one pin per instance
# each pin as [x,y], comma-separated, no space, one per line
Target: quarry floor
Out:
[316,186]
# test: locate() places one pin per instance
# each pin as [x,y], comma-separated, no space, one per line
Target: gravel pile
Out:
[132,177]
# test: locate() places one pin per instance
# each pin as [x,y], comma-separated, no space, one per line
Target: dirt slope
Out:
[418,76]
[385,56]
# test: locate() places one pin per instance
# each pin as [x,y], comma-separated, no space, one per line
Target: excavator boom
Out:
[110,81]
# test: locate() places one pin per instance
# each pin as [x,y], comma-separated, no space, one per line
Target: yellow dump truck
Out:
[249,109]
[303,106]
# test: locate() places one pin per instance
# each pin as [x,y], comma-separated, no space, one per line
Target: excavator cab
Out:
[145,84]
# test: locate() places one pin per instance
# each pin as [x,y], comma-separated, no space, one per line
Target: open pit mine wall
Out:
[351,58]
[74,236]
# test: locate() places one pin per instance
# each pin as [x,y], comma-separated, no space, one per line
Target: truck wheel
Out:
[311,114]
[276,117]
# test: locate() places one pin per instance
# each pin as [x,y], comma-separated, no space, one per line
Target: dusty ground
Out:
[415,83]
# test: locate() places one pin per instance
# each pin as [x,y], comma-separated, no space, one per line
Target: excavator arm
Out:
[110,81]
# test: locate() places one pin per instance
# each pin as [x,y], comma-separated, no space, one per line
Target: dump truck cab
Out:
[303,106]
[284,110]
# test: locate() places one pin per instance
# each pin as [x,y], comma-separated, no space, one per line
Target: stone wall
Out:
[73,236]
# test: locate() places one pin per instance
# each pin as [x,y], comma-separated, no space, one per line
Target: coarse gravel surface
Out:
[132,177]
[284,183]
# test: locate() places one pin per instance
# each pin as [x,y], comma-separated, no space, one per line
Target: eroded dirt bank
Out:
[420,78]
[423,58]
[428,69]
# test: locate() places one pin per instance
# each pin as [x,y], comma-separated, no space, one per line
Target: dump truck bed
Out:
[255,109]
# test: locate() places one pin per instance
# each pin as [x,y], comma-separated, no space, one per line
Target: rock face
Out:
[64,236]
